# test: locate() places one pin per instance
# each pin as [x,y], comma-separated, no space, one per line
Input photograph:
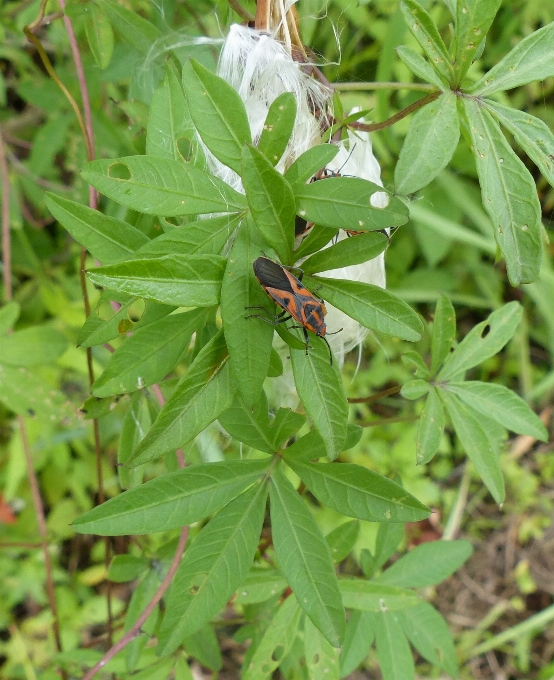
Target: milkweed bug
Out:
[293,297]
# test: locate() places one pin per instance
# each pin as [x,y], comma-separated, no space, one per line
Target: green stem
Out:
[372,127]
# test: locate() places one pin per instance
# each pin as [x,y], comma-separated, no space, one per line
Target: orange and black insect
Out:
[293,297]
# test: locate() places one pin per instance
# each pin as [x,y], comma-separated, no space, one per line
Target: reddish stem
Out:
[6,240]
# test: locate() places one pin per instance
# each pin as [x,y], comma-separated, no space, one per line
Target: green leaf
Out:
[360,632]
[9,314]
[104,323]
[356,491]
[218,114]
[248,339]
[350,251]
[477,444]
[316,240]
[428,632]
[26,393]
[431,140]
[125,568]
[106,238]
[169,121]
[311,445]
[369,596]
[249,424]
[276,642]
[271,202]
[423,29]
[206,236]
[413,361]
[140,598]
[32,346]
[260,585]
[473,20]
[444,332]
[393,651]
[204,647]
[345,203]
[278,127]
[342,540]
[99,35]
[530,59]
[322,659]
[483,341]
[309,163]
[161,186]
[509,196]
[414,389]
[181,280]
[136,423]
[286,424]
[319,386]
[502,405]
[305,559]
[135,30]
[389,537]
[430,428]
[417,64]
[427,564]
[532,134]
[173,500]
[275,365]
[201,395]
[213,567]
[371,306]
[149,354]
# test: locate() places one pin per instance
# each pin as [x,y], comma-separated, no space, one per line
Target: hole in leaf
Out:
[119,171]
[174,221]
[136,310]
[315,659]
[105,310]
[485,331]
[278,653]
[185,147]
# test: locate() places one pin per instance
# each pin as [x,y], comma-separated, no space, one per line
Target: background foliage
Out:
[447,248]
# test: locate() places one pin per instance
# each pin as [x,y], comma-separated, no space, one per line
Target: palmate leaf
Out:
[276,642]
[430,428]
[204,647]
[172,501]
[393,651]
[444,332]
[530,59]
[473,20]
[161,186]
[169,121]
[369,596]
[249,424]
[423,29]
[509,196]
[218,113]
[311,445]
[135,30]
[106,238]
[476,443]
[417,64]
[206,236]
[322,659]
[181,280]
[278,127]
[305,559]
[370,305]
[431,140]
[345,203]
[427,564]
[500,404]
[99,35]
[342,540]
[483,341]
[201,395]
[319,386]
[213,566]
[309,163]
[259,585]
[356,491]
[350,251]
[248,339]
[534,136]
[271,202]
[360,633]
[136,424]
[149,354]
[428,632]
